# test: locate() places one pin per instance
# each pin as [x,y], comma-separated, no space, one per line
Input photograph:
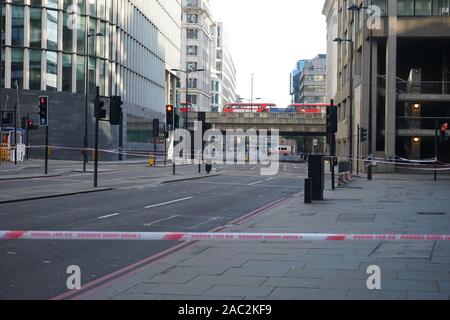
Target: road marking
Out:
[155,222]
[258,182]
[109,216]
[205,222]
[169,202]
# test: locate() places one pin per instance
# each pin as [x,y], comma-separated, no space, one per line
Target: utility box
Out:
[316,172]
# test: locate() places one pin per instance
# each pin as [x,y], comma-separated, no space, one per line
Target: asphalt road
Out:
[37,269]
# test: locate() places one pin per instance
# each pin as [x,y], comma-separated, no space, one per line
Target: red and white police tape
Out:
[174,236]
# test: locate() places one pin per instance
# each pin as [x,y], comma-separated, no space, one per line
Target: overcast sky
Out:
[267,38]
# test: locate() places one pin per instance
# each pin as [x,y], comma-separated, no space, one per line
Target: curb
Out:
[57,195]
[30,177]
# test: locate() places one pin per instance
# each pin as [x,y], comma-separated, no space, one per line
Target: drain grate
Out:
[432,213]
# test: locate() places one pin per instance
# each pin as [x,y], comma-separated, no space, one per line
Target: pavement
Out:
[309,270]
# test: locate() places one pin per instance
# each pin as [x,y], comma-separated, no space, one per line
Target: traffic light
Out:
[332,121]
[43,111]
[155,128]
[7,118]
[100,112]
[444,130]
[24,123]
[363,134]
[170,112]
[115,112]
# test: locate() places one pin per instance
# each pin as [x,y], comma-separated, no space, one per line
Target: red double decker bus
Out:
[184,107]
[308,108]
[249,107]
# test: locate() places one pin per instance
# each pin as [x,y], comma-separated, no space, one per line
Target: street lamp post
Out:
[370,129]
[86,88]
[186,111]
[350,142]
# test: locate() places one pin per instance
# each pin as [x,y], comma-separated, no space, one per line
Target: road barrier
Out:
[181,236]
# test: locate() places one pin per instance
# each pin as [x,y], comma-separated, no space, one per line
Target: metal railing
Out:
[422,87]
[414,123]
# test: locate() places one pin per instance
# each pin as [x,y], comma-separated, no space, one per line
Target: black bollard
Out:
[308,191]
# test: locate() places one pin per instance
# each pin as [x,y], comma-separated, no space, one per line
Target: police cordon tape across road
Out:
[174,236]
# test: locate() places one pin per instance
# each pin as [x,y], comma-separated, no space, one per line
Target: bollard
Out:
[308,191]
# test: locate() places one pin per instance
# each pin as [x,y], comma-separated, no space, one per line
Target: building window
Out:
[52,71]
[192,98]
[81,35]
[17,26]
[441,7]
[192,84]
[16,68]
[80,74]
[405,7]
[192,33]
[191,66]
[35,69]
[67,33]
[191,3]
[67,72]
[52,30]
[423,8]
[35,27]
[191,50]
[192,18]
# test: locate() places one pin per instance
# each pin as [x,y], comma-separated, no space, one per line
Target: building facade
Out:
[196,41]
[223,71]
[308,81]
[408,41]
[330,11]
[131,47]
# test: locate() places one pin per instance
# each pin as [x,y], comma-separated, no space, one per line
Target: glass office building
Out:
[46,42]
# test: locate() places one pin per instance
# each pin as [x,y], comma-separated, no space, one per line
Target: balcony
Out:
[424,91]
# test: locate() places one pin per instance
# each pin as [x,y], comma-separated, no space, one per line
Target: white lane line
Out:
[258,182]
[155,222]
[168,202]
[205,222]
[109,216]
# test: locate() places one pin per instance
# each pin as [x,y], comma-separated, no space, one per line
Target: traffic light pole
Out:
[46,149]
[27,136]
[173,145]
[97,121]
[358,149]
[436,149]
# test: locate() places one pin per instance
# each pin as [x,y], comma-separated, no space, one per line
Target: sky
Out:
[267,38]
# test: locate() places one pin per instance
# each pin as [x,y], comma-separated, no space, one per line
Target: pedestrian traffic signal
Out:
[170,117]
[115,112]
[363,134]
[43,111]
[444,129]
[332,121]
[100,112]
